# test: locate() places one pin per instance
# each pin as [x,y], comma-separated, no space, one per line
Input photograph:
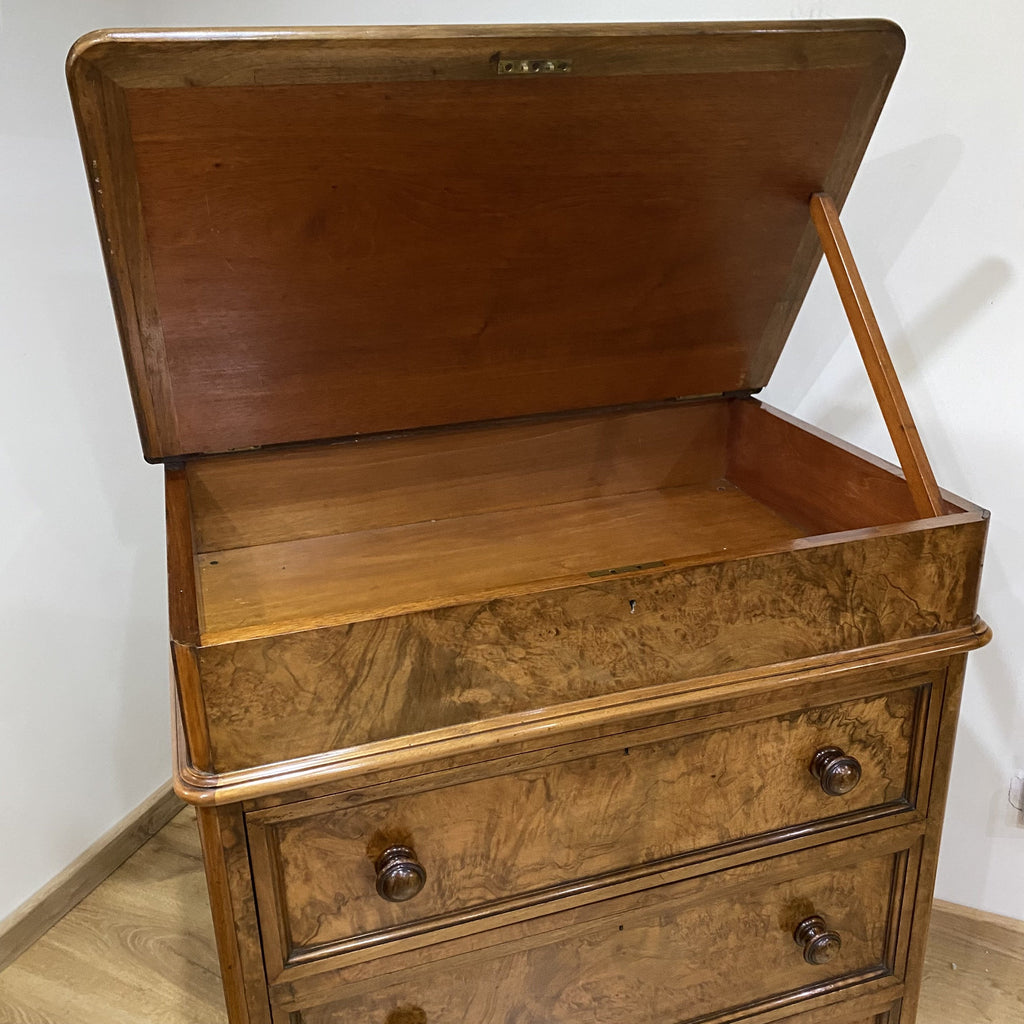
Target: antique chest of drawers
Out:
[526,667]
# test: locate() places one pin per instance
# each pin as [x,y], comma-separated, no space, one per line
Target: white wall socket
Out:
[1016,794]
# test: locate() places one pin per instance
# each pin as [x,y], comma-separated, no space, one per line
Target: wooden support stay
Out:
[893,403]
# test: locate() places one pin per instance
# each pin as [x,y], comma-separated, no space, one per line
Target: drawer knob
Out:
[820,945]
[399,874]
[837,772]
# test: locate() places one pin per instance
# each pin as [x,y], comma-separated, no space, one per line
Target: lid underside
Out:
[314,234]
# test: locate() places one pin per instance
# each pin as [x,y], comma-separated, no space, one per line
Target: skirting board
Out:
[979,927]
[43,910]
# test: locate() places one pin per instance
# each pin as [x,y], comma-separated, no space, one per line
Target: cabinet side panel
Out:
[813,480]
[228,878]
[190,706]
[922,902]
[182,592]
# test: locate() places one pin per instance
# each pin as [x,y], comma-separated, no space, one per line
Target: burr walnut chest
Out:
[527,668]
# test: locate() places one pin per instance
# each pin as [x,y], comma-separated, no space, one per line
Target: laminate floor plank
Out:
[974,972]
[140,950]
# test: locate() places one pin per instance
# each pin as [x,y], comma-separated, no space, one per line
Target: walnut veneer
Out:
[527,668]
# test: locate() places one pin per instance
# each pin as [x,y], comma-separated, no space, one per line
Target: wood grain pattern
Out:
[348,778]
[314,280]
[485,841]
[319,536]
[232,902]
[685,887]
[189,704]
[624,966]
[886,385]
[281,697]
[813,478]
[101,115]
[183,593]
[254,592]
[316,536]
[314,491]
[169,58]
[850,1012]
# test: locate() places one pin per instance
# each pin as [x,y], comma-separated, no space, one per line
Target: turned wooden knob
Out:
[837,772]
[820,945]
[399,874]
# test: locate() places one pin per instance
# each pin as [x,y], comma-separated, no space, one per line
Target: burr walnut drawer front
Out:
[776,934]
[365,867]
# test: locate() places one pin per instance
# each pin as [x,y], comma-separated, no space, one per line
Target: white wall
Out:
[935,220]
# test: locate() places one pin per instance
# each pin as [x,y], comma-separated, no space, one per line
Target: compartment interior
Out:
[324,535]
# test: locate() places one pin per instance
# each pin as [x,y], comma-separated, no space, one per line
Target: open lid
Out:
[325,232]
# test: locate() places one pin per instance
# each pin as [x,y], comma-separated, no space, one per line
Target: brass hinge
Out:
[532,66]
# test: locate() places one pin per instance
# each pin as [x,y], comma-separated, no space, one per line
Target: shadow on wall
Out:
[909,181]
[938,327]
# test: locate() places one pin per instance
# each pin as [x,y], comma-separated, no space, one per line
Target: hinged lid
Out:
[318,233]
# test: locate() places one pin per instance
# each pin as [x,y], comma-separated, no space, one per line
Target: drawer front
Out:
[519,837]
[721,946]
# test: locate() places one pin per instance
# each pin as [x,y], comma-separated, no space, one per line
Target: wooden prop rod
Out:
[895,411]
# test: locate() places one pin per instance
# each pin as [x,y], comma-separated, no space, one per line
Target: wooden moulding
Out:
[101,114]
[577,719]
[169,58]
[942,766]
[655,717]
[864,1010]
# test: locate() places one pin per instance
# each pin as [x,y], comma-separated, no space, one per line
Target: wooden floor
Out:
[140,949]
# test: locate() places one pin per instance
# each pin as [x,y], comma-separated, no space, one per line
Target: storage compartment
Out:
[381,526]
[377,588]
[716,947]
[328,872]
